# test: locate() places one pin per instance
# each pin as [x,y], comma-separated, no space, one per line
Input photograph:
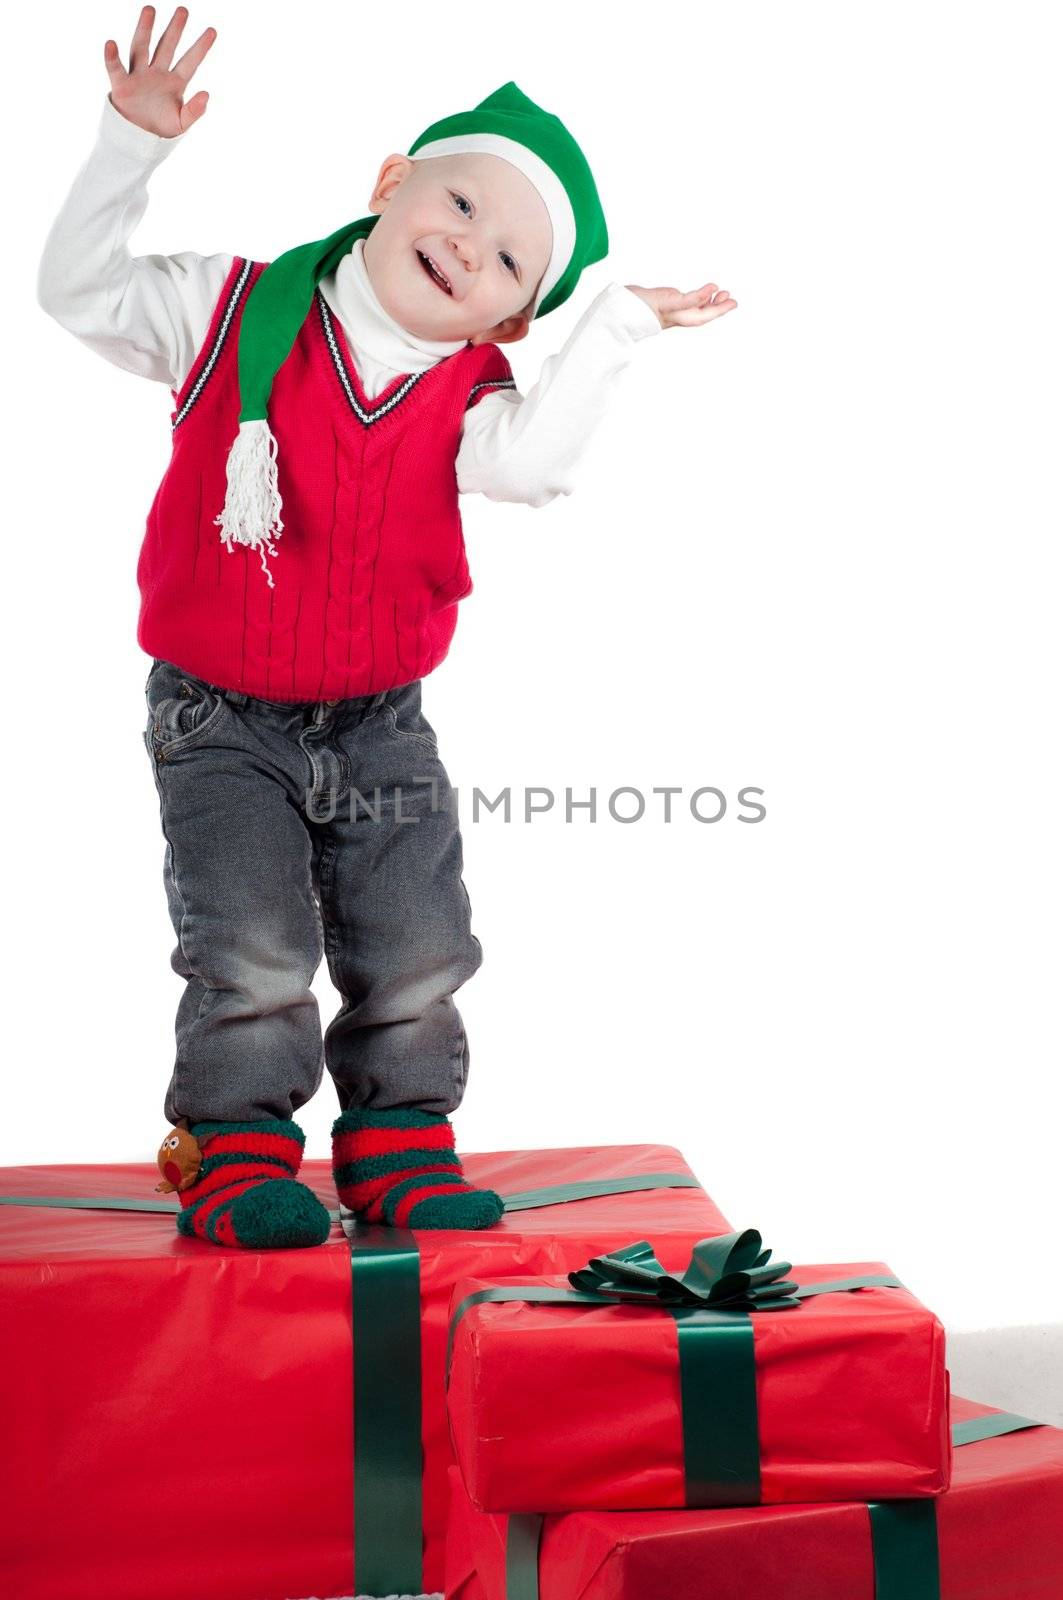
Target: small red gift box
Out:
[996,1535]
[569,1406]
[271,1423]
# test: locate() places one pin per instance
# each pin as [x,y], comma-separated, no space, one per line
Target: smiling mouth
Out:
[439,278]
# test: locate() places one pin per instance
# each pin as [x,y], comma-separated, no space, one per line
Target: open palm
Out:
[692,309]
[152,92]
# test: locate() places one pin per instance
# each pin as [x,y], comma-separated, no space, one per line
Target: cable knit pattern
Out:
[371,563]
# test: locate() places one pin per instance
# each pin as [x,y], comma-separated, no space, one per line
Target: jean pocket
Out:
[404,718]
[180,713]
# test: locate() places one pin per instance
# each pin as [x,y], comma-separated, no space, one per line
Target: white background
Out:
[814,548]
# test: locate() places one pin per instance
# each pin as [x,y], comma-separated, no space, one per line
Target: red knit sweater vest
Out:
[371,563]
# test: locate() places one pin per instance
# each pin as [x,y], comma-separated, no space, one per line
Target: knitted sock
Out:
[246,1193]
[399,1167]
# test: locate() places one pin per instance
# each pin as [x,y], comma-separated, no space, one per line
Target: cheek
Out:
[424,215]
[399,225]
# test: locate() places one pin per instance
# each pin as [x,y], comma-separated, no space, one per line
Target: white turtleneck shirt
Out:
[151,315]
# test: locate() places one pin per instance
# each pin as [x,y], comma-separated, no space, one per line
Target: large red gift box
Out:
[996,1535]
[573,1407]
[256,1425]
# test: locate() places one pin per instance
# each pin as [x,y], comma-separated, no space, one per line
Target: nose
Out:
[464,249]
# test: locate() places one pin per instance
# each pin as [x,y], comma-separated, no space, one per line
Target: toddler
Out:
[300,574]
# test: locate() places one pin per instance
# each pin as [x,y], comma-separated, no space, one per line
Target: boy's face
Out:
[480,223]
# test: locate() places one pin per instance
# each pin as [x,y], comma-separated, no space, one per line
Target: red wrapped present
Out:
[996,1535]
[262,1424]
[643,1390]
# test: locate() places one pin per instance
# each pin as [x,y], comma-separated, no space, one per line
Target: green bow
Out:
[731,1273]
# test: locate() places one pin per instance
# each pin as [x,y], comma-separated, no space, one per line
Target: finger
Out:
[194,109]
[713,302]
[696,319]
[113,62]
[695,316]
[694,297]
[194,54]
[168,40]
[138,50]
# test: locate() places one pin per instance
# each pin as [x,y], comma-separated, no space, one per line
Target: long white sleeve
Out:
[525,448]
[150,315]
[147,314]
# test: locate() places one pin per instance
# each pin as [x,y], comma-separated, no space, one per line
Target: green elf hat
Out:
[506,124]
[509,125]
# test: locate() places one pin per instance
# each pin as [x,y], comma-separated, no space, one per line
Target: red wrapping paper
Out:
[175,1407]
[572,1408]
[1000,1537]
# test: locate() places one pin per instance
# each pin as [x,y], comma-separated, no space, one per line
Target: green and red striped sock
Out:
[399,1167]
[246,1192]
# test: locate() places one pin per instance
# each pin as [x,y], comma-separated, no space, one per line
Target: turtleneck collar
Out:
[369,327]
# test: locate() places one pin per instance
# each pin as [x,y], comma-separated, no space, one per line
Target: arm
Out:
[526,448]
[147,314]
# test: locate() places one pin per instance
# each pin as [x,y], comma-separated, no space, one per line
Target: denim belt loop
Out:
[236,696]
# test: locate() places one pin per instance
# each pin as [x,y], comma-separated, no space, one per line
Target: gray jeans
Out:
[295,831]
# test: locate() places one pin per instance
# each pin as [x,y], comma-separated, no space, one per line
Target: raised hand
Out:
[678,310]
[152,92]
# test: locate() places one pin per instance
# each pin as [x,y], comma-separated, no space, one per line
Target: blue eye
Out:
[460,201]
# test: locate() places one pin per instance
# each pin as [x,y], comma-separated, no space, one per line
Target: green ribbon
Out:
[732,1271]
[903,1532]
[557,1194]
[386,1344]
[523,1533]
[991,1427]
[727,1280]
[386,1329]
[904,1547]
[386,1300]
[550,1195]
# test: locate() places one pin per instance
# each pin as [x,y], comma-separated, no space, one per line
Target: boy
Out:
[329,407]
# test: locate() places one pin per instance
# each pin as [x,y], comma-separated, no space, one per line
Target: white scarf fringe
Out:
[251,515]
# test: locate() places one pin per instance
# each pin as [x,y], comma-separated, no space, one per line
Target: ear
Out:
[508,331]
[394,169]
